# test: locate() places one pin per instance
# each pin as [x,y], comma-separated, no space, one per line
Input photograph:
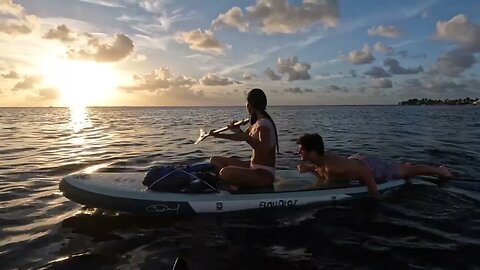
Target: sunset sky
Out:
[205,52]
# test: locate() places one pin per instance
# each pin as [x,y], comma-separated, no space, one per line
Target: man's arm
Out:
[367,178]
[356,171]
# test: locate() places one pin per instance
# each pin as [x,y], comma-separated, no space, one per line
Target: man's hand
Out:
[302,168]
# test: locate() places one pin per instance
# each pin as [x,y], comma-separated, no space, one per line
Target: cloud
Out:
[28,82]
[139,58]
[433,85]
[385,31]
[353,73]
[11,75]
[215,80]
[383,48]
[105,3]
[453,63]
[381,83]
[295,70]
[361,57]
[461,31]
[153,6]
[201,40]
[9,8]
[232,18]
[272,75]
[48,94]
[159,79]
[14,20]
[377,72]
[395,68]
[119,49]
[248,76]
[279,16]
[337,88]
[406,54]
[61,32]
[466,35]
[298,90]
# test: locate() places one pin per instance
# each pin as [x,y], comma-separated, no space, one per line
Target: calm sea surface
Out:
[418,227]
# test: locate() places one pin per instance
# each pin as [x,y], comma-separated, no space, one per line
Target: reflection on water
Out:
[79,118]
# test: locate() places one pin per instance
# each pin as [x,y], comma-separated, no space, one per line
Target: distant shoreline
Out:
[403,103]
[436,102]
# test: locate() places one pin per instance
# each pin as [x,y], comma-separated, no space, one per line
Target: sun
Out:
[81,83]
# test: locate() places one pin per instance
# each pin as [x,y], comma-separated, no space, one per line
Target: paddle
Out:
[204,135]
[180,264]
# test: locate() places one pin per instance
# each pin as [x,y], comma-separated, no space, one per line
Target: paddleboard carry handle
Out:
[204,135]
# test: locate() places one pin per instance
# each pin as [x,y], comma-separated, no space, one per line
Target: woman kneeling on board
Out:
[262,137]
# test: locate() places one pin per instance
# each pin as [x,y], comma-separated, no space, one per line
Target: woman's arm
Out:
[233,137]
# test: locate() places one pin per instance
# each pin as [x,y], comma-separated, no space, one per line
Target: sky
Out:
[210,53]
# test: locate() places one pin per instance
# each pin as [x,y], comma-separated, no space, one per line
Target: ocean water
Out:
[420,226]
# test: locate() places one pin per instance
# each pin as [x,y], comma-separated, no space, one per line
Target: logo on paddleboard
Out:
[219,206]
[278,203]
[160,208]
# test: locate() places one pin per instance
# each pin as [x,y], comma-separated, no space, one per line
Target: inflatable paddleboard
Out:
[125,192]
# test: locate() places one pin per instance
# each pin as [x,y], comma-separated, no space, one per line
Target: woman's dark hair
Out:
[258,100]
[312,142]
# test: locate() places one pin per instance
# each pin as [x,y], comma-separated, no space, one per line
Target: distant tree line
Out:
[425,101]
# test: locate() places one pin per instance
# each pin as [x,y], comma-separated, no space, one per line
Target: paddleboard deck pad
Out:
[125,192]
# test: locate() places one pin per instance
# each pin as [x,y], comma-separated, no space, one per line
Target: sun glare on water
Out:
[81,83]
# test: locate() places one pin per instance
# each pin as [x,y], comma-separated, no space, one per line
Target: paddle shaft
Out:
[238,123]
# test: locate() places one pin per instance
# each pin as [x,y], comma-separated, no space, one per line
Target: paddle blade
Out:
[180,264]
[202,136]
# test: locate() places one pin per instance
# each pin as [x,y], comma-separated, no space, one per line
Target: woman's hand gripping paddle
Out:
[204,135]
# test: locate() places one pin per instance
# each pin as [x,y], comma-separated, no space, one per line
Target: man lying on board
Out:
[334,168]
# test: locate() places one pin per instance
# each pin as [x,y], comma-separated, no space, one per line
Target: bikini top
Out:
[254,130]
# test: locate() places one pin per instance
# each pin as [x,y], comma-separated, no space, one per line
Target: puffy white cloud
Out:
[272,75]
[466,35]
[11,75]
[453,63]
[61,32]
[389,31]
[215,80]
[395,68]
[383,48]
[201,40]
[28,82]
[159,79]
[461,31]
[279,16]
[292,68]
[360,57]
[232,18]
[14,20]
[7,7]
[248,76]
[381,83]
[117,50]
[295,70]
[377,72]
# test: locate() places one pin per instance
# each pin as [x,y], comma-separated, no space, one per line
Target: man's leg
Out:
[408,171]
